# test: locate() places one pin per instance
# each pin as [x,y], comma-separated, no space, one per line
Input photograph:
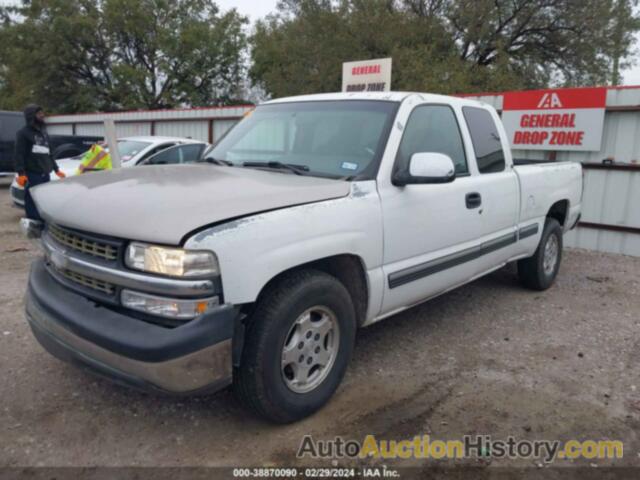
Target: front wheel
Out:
[539,271]
[298,343]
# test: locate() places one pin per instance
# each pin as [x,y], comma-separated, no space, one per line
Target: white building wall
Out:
[92,129]
[196,129]
[122,129]
[157,115]
[612,197]
[133,129]
[60,129]
[220,127]
[193,123]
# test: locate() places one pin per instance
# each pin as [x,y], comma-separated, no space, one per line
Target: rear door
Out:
[496,187]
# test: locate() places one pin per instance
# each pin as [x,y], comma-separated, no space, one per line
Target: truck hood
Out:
[161,204]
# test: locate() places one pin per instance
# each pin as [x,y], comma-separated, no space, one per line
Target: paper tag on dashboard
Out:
[40,149]
[349,166]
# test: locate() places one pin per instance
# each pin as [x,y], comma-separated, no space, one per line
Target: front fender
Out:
[254,249]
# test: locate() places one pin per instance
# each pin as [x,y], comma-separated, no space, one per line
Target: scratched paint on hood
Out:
[162,204]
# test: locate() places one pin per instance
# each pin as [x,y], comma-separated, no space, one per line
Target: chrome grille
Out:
[88,282]
[83,244]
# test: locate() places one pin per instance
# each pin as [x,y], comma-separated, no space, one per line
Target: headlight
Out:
[175,262]
[178,308]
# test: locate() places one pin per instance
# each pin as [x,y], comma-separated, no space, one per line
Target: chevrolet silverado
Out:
[313,217]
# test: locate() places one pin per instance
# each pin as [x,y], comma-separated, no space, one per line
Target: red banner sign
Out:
[559,119]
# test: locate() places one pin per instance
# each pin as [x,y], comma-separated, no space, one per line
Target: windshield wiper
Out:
[292,167]
[217,161]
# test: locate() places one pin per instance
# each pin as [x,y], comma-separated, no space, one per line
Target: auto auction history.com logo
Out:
[471,446]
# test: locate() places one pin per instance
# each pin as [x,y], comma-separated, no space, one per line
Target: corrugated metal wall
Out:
[60,129]
[220,127]
[205,124]
[154,115]
[611,196]
[196,129]
[97,129]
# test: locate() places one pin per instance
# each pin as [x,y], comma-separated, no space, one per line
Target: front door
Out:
[430,230]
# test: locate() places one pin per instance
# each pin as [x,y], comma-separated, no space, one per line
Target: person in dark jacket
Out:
[33,159]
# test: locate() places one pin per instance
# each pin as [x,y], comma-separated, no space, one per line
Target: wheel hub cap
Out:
[550,257]
[310,349]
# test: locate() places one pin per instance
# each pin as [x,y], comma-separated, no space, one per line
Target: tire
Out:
[263,382]
[532,271]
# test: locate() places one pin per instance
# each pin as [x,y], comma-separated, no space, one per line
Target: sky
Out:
[256,9]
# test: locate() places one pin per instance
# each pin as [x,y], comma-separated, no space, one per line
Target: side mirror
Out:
[426,167]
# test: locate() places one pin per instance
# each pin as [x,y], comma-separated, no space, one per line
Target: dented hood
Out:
[162,204]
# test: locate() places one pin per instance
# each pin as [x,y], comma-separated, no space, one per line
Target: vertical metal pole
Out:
[112,141]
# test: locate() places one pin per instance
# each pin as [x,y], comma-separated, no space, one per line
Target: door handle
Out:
[473,200]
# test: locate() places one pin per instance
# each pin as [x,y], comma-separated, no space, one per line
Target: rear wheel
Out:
[298,343]
[539,271]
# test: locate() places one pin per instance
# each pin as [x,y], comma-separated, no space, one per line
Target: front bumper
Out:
[193,358]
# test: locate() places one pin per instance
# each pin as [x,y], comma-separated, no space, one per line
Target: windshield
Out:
[129,148]
[325,138]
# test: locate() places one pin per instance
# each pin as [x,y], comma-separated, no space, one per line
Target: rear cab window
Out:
[485,139]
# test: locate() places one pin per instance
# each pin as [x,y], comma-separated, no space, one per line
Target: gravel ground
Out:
[489,358]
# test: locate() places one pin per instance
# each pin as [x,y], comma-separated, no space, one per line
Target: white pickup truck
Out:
[313,217]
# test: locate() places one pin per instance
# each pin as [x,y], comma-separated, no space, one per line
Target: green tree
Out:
[567,42]
[73,55]
[443,46]
[623,25]
[300,49]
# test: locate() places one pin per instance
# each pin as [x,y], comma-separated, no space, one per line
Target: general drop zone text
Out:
[367,87]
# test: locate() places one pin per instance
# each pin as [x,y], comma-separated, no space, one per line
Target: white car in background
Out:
[148,150]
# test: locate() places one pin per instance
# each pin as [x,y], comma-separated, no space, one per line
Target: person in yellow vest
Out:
[96,158]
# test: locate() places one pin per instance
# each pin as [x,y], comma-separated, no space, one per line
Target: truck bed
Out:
[540,182]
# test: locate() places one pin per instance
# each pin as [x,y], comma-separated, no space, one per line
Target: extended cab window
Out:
[485,139]
[432,128]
